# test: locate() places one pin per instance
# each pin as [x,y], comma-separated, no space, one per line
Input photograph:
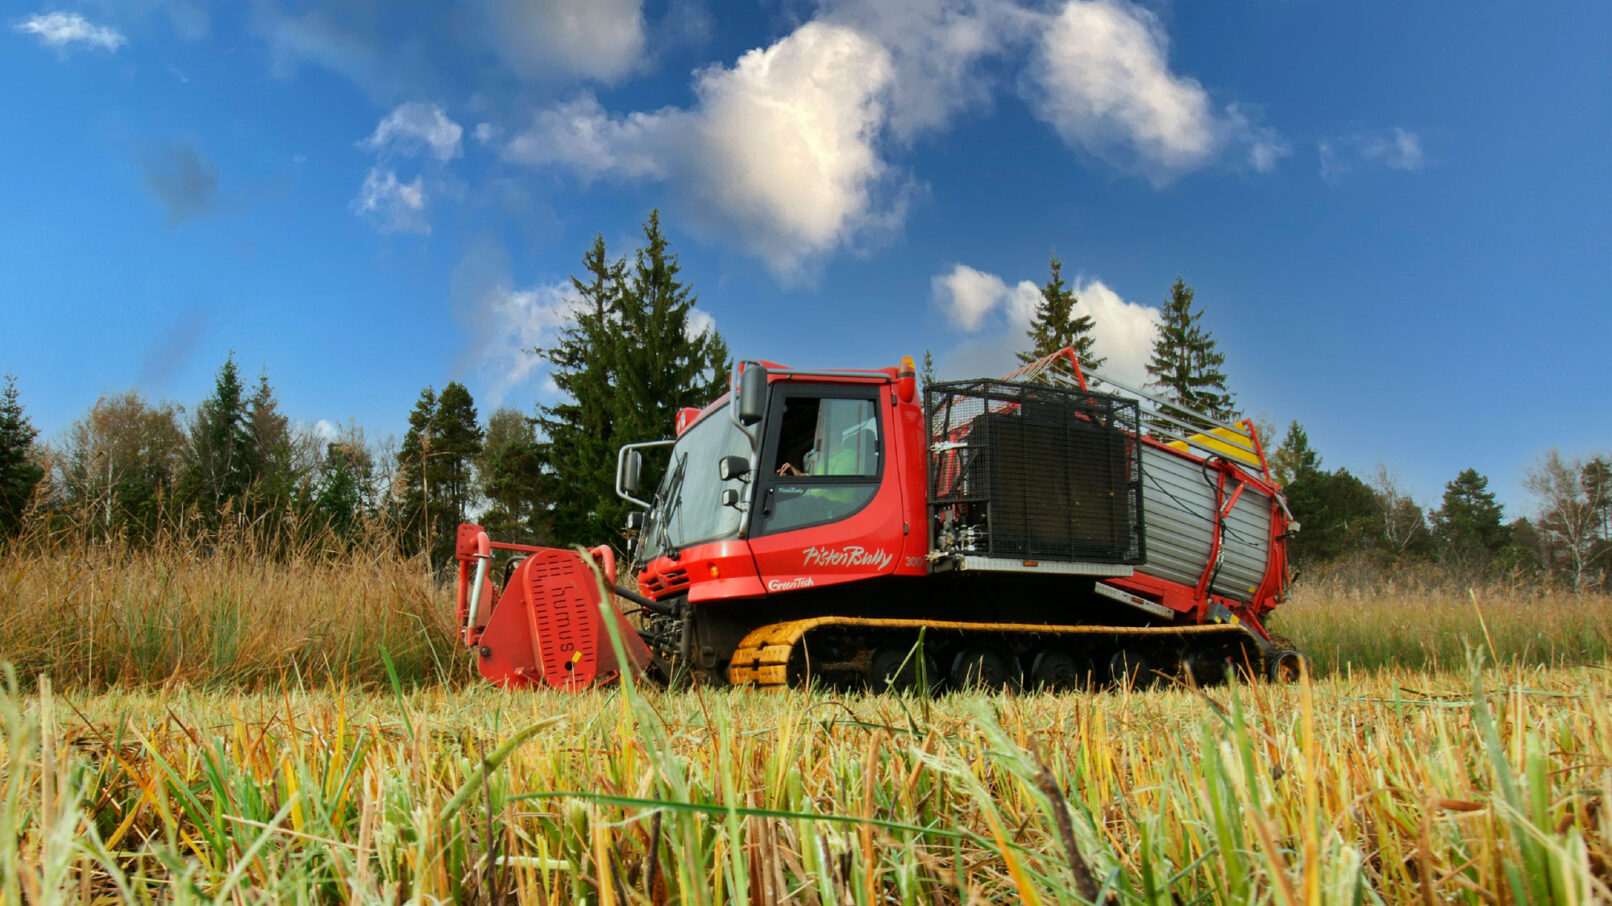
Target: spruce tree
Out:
[1185,366]
[580,427]
[927,374]
[218,471]
[19,473]
[435,480]
[457,438]
[269,456]
[1055,324]
[1295,457]
[627,365]
[661,367]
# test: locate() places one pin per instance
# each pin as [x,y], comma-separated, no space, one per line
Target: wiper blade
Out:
[673,500]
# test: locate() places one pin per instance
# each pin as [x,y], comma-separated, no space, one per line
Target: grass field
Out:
[1404,787]
[223,728]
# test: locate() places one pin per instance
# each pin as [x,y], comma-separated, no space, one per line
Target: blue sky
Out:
[1397,216]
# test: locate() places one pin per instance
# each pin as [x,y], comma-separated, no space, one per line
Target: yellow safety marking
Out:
[1226,442]
[763,656]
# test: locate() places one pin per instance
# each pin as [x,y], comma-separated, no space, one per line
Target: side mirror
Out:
[730,497]
[731,467]
[634,469]
[752,395]
[635,521]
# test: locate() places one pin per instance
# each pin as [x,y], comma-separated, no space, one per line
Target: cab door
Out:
[827,506]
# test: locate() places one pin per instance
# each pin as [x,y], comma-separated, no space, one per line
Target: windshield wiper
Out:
[672,497]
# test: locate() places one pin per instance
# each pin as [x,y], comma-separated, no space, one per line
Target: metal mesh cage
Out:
[1029,471]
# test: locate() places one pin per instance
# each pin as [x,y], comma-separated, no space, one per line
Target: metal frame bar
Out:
[965,562]
[1186,432]
[1136,601]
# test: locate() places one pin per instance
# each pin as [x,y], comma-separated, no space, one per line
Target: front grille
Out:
[669,582]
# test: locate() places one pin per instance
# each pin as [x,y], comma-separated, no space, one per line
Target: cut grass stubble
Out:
[1487,787]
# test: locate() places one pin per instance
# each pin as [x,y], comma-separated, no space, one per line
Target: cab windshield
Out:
[687,508]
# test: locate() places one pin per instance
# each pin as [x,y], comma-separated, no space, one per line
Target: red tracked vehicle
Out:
[830,524]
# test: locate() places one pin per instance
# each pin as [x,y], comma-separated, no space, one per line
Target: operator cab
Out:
[822,455]
[796,471]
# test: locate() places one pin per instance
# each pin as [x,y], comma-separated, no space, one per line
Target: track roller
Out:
[1058,671]
[986,668]
[1129,669]
[1208,668]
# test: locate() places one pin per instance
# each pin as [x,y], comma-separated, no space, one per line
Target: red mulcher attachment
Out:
[547,628]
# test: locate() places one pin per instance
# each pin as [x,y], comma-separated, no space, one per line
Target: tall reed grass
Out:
[228,609]
[1348,619]
[232,610]
[1482,786]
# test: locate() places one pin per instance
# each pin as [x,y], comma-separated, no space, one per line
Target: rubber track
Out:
[762,658]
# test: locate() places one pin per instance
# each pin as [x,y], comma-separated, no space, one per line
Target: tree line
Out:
[628,359]
[1569,539]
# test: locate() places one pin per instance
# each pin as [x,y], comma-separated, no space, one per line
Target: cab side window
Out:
[825,462]
[835,437]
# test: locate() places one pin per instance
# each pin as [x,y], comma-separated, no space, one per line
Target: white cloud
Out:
[1123,330]
[487,133]
[1395,148]
[412,129]
[60,29]
[520,320]
[1265,147]
[392,205]
[699,324]
[1263,155]
[779,150]
[1398,150]
[967,296]
[415,127]
[580,135]
[597,39]
[1106,87]
[787,140]
[936,48]
[1100,76]
[504,324]
[787,150]
[324,431]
